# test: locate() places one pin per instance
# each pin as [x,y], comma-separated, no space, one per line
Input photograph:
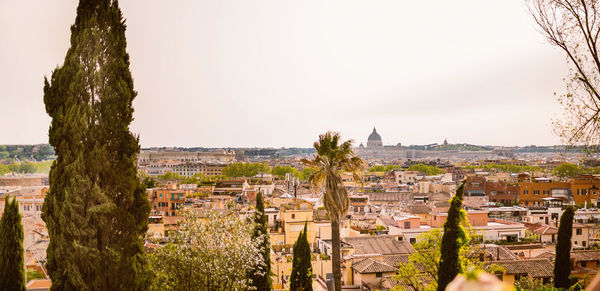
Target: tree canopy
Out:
[207,253]
[96,209]
[426,169]
[246,169]
[12,268]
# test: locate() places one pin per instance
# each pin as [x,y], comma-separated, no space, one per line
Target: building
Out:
[374,140]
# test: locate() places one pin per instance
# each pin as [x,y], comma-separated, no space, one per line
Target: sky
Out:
[261,73]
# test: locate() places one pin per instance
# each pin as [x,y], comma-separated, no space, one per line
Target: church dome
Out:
[374,136]
[374,140]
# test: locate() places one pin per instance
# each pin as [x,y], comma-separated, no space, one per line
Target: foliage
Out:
[307,172]
[197,178]
[567,170]
[376,168]
[26,167]
[530,237]
[246,169]
[562,263]
[301,277]
[505,168]
[332,157]
[426,169]
[528,283]
[34,275]
[37,152]
[379,228]
[170,176]
[207,253]
[571,25]
[261,277]
[281,171]
[12,262]
[149,182]
[382,168]
[454,238]
[421,271]
[96,209]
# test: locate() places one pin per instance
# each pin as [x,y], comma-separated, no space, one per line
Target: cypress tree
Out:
[452,241]
[96,209]
[12,262]
[261,279]
[562,264]
[301,277]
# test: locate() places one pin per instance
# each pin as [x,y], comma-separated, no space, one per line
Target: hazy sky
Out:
[227,73]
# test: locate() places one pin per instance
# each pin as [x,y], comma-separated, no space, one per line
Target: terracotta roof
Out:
[546,255]
[394,261]
[499,253]
[43,284]
[370,265]
[587,255]
[417,208]
[381,244]
[385,196]
[525,246]
[535,268]
[545,229]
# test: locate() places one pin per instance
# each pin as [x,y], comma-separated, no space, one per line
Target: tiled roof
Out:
[546,229]
[499,253]
[587,255]
[380,244]
[535,268]
[417,208]
[394,261]
[385,196]
[525,246]
[370,265]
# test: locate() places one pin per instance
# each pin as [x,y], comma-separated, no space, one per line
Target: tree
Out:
[426,169]
[170,176]
[96,210]
[12,262]
[567,170]
[149,182]
[301,277]
[454,238]
[422,269]
[376,168]
[572,26]
[332,157]
[261,277]
[306,172]
[246,169]
[562,264]
[281,171]
[207,253]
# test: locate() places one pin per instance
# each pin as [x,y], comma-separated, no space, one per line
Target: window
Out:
[407,224]
[293,216]
[546,192]
[378,275]
[584,244]
[536,192]
[525,192]
[584,264]
[579,231]
[413,240]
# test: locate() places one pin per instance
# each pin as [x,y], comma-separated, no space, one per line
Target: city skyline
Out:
[232,74]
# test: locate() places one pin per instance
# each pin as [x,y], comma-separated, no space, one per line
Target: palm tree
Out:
[332,157]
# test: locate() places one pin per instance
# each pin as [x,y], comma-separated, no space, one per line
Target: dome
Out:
[374,140]
[374,136]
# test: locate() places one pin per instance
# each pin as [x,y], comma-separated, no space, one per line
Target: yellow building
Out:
[294,215]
